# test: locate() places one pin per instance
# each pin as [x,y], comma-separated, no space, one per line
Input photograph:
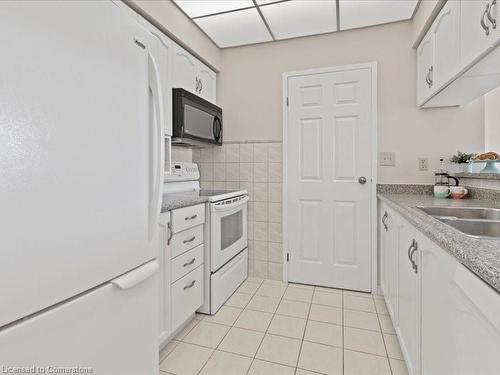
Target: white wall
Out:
[492,121]
[250,91]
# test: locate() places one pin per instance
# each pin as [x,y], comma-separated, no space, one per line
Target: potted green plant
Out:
[460,159]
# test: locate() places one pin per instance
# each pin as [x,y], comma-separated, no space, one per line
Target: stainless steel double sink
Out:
[472,221]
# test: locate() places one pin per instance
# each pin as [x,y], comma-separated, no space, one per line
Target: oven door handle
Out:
[227,207]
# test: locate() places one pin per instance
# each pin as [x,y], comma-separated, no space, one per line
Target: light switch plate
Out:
[387,159]
[423,164]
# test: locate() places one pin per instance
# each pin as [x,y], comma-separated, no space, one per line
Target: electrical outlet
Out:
[423,164]
[387,159]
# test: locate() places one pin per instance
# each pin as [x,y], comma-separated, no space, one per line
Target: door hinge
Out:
[287,101]
[287,257]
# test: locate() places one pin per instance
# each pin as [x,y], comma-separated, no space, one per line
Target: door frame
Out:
[372,66]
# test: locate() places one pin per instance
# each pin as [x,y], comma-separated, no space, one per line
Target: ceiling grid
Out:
[231,23]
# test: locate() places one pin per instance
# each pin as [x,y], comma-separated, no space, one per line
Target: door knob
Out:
[362,180]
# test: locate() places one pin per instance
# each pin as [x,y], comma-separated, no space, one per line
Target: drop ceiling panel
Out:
[264,2]
[299,18]
[361,13]
[197,8]
[235,28]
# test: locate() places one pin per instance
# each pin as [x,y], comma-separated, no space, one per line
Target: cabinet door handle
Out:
[197,84]
[483,24]
[189,263]
[414,263]
[410,249]
[190,285]
[384,218]
[190,240]
[431,74]
[427,79]
[191,217]
[201,86]
[170,232]
[490,17]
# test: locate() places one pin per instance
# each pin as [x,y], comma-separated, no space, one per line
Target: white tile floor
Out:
[268,327]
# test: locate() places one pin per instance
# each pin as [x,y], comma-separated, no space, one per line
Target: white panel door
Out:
[329,147]
[76,186]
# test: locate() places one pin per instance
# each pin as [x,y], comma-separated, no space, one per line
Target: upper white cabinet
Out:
[162,51]
[425,67]
[184,69]
[459,46]
[478,27]
[207,82]
[191,74]
[446,32]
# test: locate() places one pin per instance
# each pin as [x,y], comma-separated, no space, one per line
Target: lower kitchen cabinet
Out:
[388,261]
[446,318]
[408,328]
[460,317]
[181,260]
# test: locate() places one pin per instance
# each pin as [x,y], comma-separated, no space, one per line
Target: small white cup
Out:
[441,191]
[458,192]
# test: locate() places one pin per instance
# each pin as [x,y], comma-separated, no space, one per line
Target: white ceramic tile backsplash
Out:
[257,168]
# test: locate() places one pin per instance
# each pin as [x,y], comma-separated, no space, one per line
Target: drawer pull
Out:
[190,285]
[189,263]
[191,217]
[190,240]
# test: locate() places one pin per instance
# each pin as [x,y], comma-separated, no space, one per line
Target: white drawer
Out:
[186,262]
[184,241]
[187,217]
[187,296]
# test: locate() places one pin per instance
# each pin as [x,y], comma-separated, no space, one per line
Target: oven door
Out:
[228,230]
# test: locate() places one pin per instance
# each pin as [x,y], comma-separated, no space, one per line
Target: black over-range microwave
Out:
[195,121]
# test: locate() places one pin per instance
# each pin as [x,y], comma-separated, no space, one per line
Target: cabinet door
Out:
[164,279]
[207,89]
[477,33]
[425,61]
[389,263]
[184,70]
[446,30]
[408,297]
[439,324]
[477,337]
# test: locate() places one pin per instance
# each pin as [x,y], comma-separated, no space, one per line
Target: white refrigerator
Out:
[81,166]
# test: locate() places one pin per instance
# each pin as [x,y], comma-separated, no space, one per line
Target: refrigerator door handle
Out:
[158,149]
[136,276]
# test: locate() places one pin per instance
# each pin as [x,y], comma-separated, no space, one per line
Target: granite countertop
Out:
[481,256]
[179,200]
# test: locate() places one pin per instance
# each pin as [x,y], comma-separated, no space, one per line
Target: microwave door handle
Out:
[216,128]
[227,207]
[157,149]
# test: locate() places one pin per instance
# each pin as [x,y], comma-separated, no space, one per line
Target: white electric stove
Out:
[226,239]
